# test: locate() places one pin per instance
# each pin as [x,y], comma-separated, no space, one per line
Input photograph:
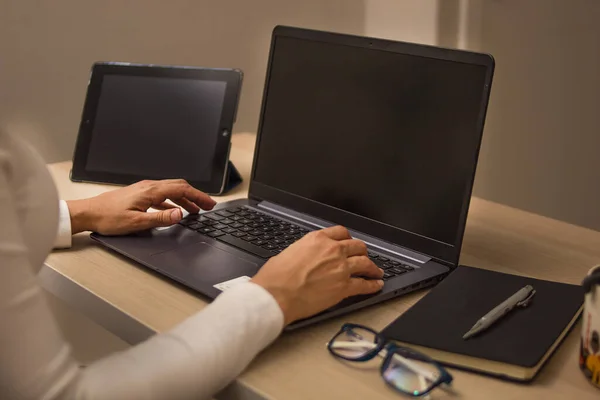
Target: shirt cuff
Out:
[255,314]
[63,236]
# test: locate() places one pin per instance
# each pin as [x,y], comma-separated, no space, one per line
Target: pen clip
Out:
[525,302]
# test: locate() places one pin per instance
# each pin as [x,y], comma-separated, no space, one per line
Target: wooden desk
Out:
[134,303]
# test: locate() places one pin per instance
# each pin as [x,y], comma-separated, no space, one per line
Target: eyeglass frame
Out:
[390,347]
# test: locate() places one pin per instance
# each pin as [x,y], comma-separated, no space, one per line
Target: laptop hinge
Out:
[372,242]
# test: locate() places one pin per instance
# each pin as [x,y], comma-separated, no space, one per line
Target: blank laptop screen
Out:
[386,136]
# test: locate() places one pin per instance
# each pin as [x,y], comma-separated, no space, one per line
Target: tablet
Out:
[157,122]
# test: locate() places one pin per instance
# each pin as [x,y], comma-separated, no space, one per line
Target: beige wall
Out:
[542,136]
[405,20]
[47,48]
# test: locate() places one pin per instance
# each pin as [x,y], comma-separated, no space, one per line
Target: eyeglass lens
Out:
[410,372]
[354,343]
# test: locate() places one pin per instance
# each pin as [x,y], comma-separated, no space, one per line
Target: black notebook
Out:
[515,347]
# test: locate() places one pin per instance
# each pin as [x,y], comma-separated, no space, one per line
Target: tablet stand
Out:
[232,179]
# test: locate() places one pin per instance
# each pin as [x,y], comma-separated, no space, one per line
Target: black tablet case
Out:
[232,179]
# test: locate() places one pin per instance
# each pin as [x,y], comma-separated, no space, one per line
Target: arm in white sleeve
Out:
[196,359]
[193,361]
[63,236]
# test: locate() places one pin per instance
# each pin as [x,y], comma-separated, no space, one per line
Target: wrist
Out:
[282,300]
[81,218]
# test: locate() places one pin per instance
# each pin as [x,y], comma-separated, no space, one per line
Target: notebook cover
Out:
[521,338]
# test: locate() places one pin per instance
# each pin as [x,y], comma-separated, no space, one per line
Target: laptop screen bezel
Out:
[443,252]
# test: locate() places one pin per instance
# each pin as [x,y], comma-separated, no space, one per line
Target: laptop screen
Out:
[389,137]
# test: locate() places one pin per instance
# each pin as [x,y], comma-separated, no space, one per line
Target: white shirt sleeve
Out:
[63,236]
[196,359]
[192,361]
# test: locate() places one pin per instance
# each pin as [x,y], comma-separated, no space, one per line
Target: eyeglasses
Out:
[405,370]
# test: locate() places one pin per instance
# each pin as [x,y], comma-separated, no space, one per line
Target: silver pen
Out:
[520,299]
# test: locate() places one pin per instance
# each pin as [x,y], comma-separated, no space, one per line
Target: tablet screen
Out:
[156,127]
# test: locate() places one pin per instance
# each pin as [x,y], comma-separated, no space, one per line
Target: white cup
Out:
[589,356]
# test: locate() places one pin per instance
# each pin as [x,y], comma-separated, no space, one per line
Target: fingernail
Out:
[380,270]
[175,215]
[380,283]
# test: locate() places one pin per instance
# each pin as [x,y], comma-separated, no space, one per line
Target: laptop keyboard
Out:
[266,236]
[390,267]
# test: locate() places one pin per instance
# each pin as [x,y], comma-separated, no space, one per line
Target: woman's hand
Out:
[123,210]
[319,271]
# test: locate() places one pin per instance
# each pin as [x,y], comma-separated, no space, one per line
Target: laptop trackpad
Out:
[203,263]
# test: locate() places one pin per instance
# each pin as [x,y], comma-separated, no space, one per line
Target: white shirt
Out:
[192,361]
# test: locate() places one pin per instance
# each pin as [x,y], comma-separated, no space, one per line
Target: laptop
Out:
[379,136]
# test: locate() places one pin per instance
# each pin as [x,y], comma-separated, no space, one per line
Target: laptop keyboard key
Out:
[270,246]
[229,230]
[260,242]
[256,232]
[216,233]
[224,213]
[205,229]
[249,247]
[227,221]
[214,216]
[239,234]
[248,238]
[219,226]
